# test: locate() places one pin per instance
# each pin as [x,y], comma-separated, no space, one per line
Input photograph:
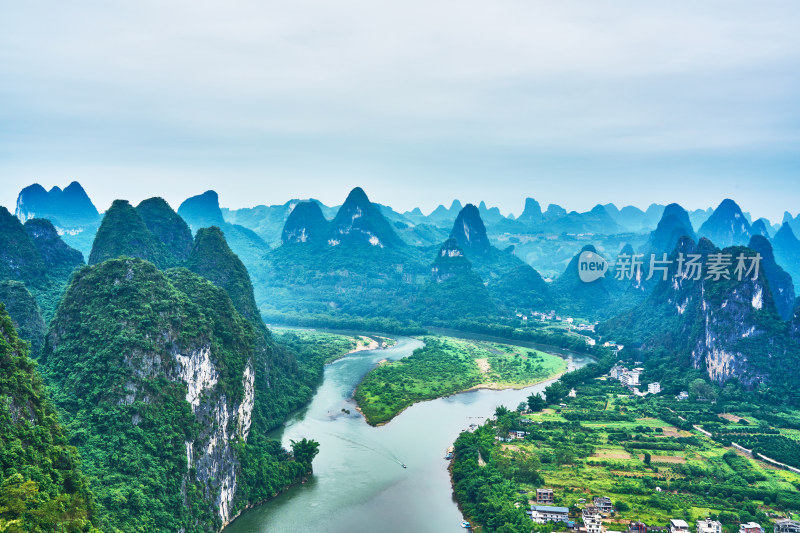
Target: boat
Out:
[403,465]
[465,525]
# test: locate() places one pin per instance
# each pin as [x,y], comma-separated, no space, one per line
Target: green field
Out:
[446,366]
[333,346]
[606,443]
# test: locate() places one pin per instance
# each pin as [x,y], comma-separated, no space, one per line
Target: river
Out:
[358,483]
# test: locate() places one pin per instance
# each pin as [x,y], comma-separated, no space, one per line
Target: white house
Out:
[630,378]
[708,526]
[541,514]
[654,388]
[592,521]
[678,526]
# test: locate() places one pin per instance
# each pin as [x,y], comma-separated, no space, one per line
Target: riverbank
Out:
[380,495]
[448,366]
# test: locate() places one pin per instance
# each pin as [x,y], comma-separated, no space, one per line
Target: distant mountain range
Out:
[161,341]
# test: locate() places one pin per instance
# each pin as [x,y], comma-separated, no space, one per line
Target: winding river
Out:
[359,484]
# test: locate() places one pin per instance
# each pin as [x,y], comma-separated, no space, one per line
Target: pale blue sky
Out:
[419,101]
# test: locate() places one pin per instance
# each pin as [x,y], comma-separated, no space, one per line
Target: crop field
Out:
[605,443]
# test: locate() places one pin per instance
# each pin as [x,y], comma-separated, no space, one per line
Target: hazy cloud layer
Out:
[418,101]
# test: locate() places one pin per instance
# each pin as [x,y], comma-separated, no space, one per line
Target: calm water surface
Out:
[358,484]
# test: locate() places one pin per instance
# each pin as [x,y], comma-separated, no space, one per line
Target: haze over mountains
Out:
[157,333]
[363,260]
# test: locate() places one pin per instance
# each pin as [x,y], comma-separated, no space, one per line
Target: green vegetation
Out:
[111,359]
[124,233]
[485,488]
[682,342]
[167,226]
[641,452]
[446,366]
[25,313]
[41,484]
[322,346]
[33,254]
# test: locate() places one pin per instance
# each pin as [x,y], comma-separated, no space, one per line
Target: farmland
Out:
[608,442]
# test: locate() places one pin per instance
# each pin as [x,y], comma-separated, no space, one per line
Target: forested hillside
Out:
[42,487]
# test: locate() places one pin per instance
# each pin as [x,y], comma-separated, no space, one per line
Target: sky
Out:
[417,101]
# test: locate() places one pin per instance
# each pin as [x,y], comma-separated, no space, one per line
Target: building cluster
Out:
[630,379]
[787,526]
[545,511]
[616,348]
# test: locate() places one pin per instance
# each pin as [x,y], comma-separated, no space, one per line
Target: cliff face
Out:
[450,262]
[728,327]
[726,316]
[163,362]
[780,282]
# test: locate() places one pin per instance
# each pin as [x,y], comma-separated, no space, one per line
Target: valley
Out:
[358,483]
[199,361]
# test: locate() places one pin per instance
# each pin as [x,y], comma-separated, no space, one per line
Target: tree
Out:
[522,406]
[555,393]
[701,389]
[536,402]
[527,467]
[304,451]
[501,410]
[647,458]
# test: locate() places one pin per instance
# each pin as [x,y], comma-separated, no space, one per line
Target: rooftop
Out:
[549,509]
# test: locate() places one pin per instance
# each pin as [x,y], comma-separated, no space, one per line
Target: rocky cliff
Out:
[729,328]
[163,363]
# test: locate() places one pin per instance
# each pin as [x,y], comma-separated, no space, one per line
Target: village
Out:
[619,456]
[590,518]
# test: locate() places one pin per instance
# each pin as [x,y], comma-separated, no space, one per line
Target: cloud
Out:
[390,89]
